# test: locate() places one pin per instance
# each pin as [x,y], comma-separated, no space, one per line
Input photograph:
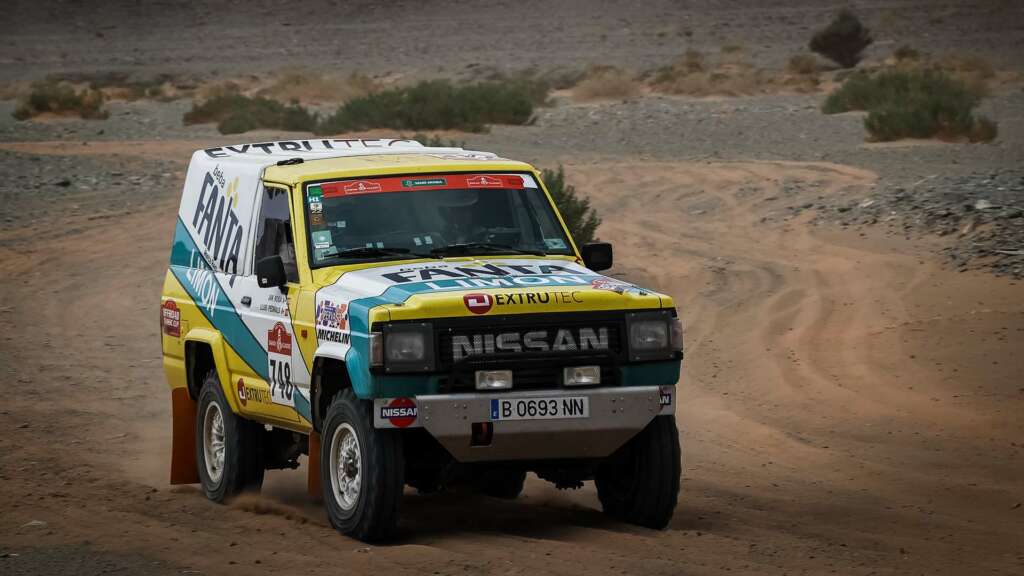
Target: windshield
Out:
[430,216]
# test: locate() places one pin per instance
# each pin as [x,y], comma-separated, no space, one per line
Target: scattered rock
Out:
[982,214]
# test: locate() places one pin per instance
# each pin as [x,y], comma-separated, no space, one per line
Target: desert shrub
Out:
[912,104]
[606,82]
[125,86]
[307,86]
[906,53]
[692,76]
[236,113]
[435,105]
[805,64]
[61,98]
[843,40]
[581,219]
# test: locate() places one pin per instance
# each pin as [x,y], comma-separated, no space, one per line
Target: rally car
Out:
[405,315]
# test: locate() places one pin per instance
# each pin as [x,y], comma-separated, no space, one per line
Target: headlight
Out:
[648,335]
[408,347]
[653,335]
[405,347]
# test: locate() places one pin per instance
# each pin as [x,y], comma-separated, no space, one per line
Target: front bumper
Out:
[616,415]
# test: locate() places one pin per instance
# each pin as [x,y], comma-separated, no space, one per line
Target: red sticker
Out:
[279,341]
[483,181]
[478,303]
[242,398]
[401,412]
[170,319]
[421,182]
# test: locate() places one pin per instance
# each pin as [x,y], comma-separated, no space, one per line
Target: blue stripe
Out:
[198,278]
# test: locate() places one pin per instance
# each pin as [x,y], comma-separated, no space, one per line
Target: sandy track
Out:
[846,406]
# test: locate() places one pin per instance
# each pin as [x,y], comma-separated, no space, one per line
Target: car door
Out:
[273,395]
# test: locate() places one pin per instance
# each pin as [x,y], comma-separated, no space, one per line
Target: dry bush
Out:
[236,113]
[918,103]
[843,40]
[731,76]
[309,87]
[436,105]
[61,98]
[906,53]
[803,64]
[976,72]
[606,83]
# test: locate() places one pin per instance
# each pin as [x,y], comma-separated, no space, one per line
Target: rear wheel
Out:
[639,483]
[228,447]
[362,471]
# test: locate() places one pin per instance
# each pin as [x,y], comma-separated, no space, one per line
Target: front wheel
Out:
[228,447]
[639,483]
[362,471]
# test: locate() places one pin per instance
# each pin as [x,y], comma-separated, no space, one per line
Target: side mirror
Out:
[597,256]
[270,272]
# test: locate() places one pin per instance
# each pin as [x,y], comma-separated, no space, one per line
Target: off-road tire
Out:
[505,484]
[639,483]
[373,517]
[242,468]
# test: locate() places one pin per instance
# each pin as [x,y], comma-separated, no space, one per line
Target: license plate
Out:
[540,408]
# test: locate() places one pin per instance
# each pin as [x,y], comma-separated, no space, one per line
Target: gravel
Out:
[981,212]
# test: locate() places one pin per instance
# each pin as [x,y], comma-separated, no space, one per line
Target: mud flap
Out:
[183,438]
[313,459]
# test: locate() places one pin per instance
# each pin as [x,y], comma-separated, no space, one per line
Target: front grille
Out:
[532,369]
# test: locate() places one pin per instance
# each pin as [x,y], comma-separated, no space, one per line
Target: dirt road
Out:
[847,406]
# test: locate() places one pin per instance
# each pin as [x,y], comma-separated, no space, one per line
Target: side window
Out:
[274,230]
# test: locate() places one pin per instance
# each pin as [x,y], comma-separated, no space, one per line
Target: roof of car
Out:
[290,161]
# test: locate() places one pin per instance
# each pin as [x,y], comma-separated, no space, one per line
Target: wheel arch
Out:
[330,376]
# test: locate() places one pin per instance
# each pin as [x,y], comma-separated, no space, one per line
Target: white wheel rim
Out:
[213,441]
[346,467]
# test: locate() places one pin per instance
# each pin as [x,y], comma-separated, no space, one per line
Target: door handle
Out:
[246,300]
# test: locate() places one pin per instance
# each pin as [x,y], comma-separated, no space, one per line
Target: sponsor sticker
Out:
[483,181]
[666,396]
[331,315]
[419,183]
[539,298]
[401,412]
[170,319]
[611,285]
[247,392]
[478,303]
[217,223]
[360,187]
[279,365]
[322,239]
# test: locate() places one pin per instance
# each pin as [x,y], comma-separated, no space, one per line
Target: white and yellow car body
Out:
[276,350]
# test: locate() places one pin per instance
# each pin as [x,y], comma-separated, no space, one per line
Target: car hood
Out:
[481,287]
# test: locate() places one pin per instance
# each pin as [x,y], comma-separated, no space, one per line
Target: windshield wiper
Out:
[467,247]
[373,251]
